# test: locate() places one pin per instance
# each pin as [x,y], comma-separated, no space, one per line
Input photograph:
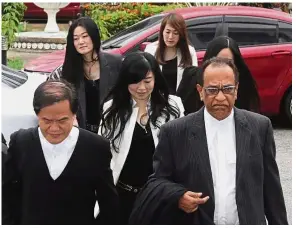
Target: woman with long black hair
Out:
[221,46]
[141,104]
[92,71]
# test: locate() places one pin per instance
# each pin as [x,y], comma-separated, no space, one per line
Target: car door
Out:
[267,59]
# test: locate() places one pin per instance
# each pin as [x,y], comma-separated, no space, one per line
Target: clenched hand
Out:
[190,200]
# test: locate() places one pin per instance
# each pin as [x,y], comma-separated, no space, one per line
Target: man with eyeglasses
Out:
[215,166]
[55,173]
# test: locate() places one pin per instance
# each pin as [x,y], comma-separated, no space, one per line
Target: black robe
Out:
[31,196]
[181,163]
[157,204]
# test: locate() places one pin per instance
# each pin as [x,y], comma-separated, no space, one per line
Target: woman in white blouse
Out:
[172,50]
[141,104]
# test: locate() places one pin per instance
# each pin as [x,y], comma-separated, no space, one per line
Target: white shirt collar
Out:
[72,135]
[213,125]
[134,103]
[58,155]
[209,118]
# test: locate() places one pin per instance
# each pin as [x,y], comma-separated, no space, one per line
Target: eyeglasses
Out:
[215,90]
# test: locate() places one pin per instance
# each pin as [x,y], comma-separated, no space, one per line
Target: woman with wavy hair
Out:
[172,50]
[141,104]
[221,46]
[92,71]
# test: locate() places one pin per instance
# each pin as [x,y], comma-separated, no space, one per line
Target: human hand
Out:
[190,201]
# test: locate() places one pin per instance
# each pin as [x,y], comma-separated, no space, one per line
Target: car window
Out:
[201,35]
[285,32]
[249,34]
[128,34]
[153,37]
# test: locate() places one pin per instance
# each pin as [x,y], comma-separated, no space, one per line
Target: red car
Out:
[34,12]
[264,37]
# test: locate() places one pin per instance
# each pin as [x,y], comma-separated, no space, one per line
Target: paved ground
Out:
[283,141]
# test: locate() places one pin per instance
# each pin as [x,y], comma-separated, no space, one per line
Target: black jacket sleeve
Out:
[11,188]
[274,203]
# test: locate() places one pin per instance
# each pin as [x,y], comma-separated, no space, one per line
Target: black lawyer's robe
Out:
[31,196]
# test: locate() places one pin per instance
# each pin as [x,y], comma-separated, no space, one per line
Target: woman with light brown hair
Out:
[172,50]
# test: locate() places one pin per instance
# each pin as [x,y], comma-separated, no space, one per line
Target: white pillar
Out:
[51,26]
[51,10]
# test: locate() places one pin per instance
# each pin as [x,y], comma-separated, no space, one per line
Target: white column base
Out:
[51,26]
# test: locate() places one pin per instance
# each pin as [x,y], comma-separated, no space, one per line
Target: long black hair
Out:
[73,64]
[247,97]
[134,69]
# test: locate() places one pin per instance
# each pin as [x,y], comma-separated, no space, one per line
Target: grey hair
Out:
[219,62]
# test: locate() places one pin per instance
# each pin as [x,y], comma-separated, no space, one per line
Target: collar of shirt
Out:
[210,118]
[134,103]
[212,125]
[65,144]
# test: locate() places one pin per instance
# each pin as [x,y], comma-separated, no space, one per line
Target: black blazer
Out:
[110,65]
[31,196]
[187,90]
[186,166]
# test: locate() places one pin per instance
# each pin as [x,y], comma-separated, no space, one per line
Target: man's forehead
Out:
[55,117]
[56,109]
[218,67]
[219,73]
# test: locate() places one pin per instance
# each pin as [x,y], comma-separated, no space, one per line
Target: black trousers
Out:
[127,200]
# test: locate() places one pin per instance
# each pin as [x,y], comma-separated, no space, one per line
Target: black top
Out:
[109,68]
[69,199]
[169,71]
[138,165]
[187,89]
[92,94]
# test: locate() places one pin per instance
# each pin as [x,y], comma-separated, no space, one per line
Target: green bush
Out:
[12,14]
[15,63]
[113,18]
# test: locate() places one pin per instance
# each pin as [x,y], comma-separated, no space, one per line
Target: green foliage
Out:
[113,18]
[22,27]
[15,63]
[12,14]
[95,13]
